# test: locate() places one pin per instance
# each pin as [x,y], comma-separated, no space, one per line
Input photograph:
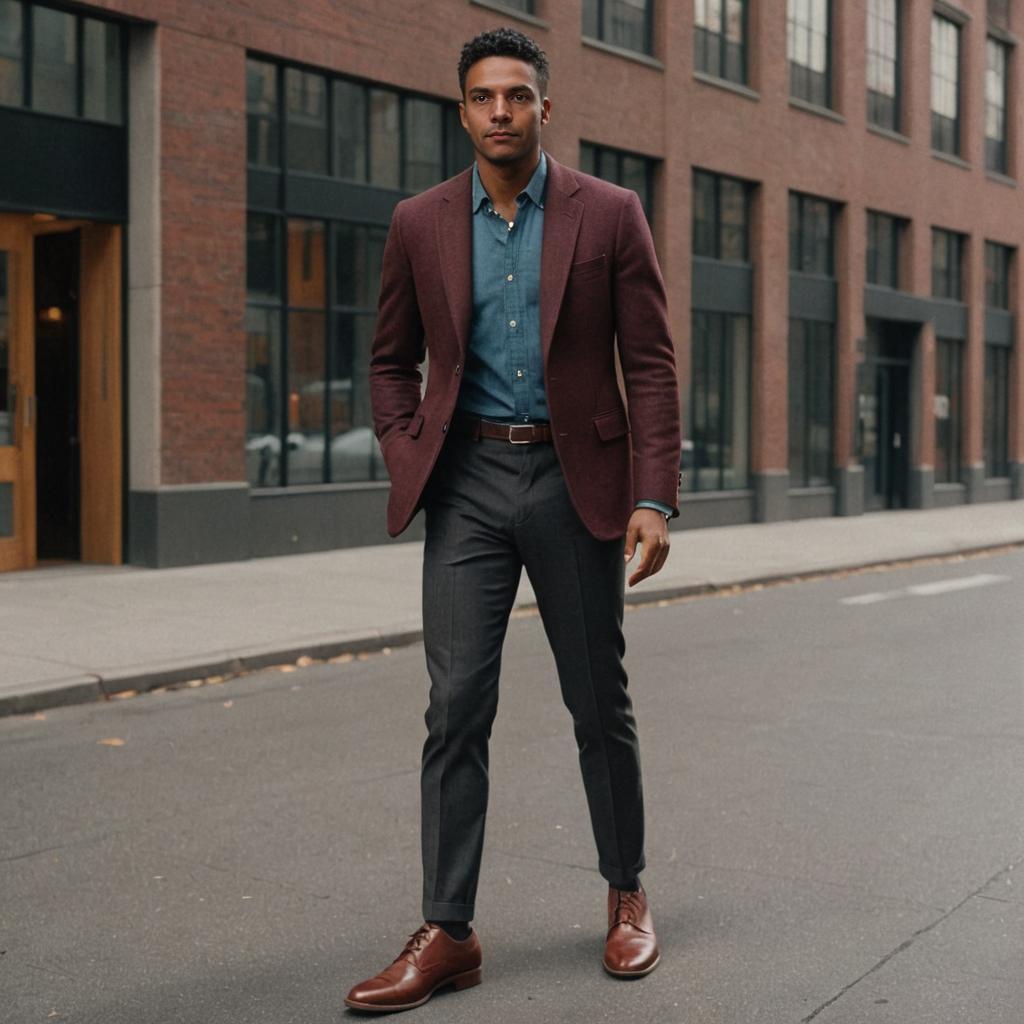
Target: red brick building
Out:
[193,199]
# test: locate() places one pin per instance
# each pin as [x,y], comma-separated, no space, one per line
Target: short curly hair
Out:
[504,42]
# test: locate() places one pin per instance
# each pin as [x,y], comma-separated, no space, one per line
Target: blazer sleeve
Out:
[648,360]
[398,343]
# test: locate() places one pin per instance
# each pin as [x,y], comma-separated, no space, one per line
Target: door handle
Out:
[897,441]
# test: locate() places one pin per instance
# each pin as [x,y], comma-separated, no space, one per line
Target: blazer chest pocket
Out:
[610,425]
[587,269]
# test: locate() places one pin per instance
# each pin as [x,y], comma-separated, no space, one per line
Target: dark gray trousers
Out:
[491,509]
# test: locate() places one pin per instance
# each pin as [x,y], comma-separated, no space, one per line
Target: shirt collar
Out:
[534,189]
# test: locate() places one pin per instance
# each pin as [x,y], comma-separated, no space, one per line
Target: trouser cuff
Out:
[434,911]
[619,878]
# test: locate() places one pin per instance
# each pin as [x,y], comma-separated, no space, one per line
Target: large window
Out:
[948,355]
[998,261]
[621,168]
[945,85]
[716,457]
[883,69]
[721,217]
[720,39]
[625,23]
[808,47]
[884,235]
[947,264]
[997,275]
[995,106]
[811,231]
[61,63]
[811,386]
[313,273]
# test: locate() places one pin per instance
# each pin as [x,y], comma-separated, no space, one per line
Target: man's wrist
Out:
[658,506]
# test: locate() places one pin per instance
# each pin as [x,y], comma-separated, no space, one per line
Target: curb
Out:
[90,687]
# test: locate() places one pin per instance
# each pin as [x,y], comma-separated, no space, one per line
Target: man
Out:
[520,278]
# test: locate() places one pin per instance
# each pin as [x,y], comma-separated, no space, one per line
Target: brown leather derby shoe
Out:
[431,959]
[631,949]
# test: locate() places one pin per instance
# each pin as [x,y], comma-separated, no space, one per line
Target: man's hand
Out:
[648,528]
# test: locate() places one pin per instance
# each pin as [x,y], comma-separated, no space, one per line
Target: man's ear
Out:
[545,110]
[462,114]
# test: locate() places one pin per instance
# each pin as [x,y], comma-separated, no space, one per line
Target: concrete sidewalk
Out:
[78,633]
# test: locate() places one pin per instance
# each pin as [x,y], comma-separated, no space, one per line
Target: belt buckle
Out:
[520,426]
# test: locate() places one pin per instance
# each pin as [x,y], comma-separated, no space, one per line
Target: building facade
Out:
[194,199]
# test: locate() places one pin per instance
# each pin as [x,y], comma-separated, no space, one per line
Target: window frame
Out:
[897,62]
[937,118]
[599,15]
[721,40]
[826,75]
[997,149]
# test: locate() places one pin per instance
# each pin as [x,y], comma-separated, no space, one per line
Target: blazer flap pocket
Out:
[415,425]
[588,268]
[610,425]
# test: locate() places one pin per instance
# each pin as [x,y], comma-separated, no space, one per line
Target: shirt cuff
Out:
[658,506]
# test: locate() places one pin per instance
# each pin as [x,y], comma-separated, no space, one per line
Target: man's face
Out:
[503,110]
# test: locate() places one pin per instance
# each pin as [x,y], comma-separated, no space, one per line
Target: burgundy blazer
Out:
[600,289]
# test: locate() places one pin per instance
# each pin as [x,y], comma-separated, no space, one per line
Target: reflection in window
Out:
[101,55]
[263,396]
[621,168]
[883,250]
[720,217]
[883,68]
[811,384]
[997,275]
[945,85]
[995,106]
[947,410]
[997,410]
[350,150]
[719,39]
[424,156]
[811,235]
[807,45]
[11,54]
[947,262]
[54,62]
[306,119]
[262,123]
[716,451]
[385,143]
[625,23]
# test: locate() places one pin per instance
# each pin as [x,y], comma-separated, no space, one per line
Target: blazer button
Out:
[458,369]
[444,428]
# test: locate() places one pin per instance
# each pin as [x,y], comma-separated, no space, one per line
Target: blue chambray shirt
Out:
[504,375]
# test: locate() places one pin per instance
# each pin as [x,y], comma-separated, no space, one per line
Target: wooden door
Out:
[17,395]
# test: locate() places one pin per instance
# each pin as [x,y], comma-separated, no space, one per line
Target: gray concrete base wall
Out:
[947,495]
[850,491]
[921,487]
[1017,479]
[812,502]
[771,497]
[719,508]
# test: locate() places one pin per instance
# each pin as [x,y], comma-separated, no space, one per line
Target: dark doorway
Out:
[58,463]
[884,413]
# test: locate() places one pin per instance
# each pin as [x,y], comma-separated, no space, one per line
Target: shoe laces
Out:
[417,940]
[628,910]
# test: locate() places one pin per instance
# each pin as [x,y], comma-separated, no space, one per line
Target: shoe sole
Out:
[632,974]
[458,982]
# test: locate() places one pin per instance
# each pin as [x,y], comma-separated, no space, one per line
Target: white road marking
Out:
[984,579]
[928,589]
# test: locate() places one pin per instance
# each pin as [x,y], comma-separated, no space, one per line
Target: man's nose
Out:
[500,111]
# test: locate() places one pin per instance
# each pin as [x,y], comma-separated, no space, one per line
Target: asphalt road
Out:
[834,786]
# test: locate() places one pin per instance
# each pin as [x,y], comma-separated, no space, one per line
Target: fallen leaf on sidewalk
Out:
[112,742]
[124,694]
[288,668]
[304,661]
[341,659]
[39,716]
[229,703]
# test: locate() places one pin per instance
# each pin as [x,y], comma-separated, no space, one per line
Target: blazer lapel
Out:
[455,254]
[562,218]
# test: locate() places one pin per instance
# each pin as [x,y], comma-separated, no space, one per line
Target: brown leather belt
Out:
[513,433]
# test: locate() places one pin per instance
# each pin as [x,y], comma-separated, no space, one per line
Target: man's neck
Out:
[503,182]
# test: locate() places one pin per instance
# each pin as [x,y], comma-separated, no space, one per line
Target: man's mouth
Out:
[501,135]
